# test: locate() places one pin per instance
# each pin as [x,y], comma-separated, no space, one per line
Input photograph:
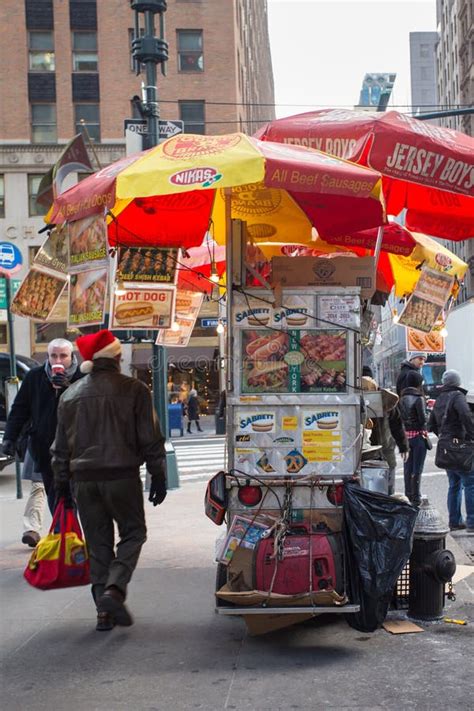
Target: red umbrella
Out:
[427,169]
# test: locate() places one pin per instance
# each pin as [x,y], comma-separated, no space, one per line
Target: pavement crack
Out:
[235,668]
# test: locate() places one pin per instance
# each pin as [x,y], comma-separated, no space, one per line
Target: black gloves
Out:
[158,483]
[60,380]
[8,448]
[157,491]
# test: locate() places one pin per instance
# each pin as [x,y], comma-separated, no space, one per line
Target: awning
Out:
[191,357]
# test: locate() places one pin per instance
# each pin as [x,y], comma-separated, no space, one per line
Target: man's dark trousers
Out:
[100,503]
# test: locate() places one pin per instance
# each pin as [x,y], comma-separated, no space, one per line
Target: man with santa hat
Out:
[107,428]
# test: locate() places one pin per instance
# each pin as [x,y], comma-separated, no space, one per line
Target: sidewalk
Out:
[181,655]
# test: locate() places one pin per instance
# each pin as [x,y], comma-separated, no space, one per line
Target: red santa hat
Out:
[102,344]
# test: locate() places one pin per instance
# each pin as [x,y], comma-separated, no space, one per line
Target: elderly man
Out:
[414,364]
[107,428]
[36,406]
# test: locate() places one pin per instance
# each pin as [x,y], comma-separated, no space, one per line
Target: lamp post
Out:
[150,51]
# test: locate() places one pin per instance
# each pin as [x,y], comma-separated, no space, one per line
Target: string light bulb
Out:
[396,317]
[220,327]
[443,332]
[214,274]
[175,326]
[120,289]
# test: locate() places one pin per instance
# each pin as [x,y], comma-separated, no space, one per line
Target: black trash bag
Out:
[378,533]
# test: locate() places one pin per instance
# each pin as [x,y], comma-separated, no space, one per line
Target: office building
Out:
[424,97]
[64,61]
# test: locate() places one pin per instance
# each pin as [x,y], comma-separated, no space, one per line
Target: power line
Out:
[311,106]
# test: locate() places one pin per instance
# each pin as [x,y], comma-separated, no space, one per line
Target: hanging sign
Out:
[149,308]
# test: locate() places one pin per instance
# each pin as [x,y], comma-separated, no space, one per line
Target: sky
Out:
[321,49]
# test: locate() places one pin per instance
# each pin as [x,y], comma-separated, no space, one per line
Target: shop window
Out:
[2,196]
[43,123]
[41,51]
[84,52]
[192,113]
[33,186]
[90,114]
[190,54]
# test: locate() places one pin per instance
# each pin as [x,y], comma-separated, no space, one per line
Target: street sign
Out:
[15,285]
[212,322]
[11,258]
[167,128]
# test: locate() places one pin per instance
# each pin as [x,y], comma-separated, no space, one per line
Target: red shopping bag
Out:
[60,560]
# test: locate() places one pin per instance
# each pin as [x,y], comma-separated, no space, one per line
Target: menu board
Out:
[295,439]
[87,297]
[188,305]
[38,294]
[87,243]
[54,252]
[148,308]
[295,361]
[427,301]
[147,265]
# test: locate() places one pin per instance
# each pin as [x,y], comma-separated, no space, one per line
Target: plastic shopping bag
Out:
[60,560]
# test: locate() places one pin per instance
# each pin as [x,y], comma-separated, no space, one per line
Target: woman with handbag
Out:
[452,421]
[413,412]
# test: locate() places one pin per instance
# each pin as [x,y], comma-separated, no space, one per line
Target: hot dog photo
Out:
[264,367]
[149,309]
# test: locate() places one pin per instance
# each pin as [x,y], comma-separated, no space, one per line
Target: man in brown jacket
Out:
[107,428]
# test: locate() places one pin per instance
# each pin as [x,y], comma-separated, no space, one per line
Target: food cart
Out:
[295,418]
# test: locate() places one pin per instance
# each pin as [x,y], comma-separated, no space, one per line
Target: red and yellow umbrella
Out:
[170,194]
[427,170]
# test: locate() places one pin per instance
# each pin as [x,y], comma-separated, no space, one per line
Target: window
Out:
[2,196]
[41,51]
[190,57]
[192,113]
[43,123]
[84,51]
[90,114]
[33,186]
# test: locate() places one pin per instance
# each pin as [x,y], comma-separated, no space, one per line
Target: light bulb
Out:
[396,318]
[175,326]
[220,327]
[443,332]
[214,274]
[120,289]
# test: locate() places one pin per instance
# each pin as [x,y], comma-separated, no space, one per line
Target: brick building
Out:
[67,60]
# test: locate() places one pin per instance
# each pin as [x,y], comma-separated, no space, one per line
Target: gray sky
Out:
[321,49]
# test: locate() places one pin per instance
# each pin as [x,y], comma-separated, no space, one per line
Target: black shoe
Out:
[30,538]
[112,603]
[459,527]
[105,622]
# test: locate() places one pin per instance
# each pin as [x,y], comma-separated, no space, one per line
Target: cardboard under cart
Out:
[294,419]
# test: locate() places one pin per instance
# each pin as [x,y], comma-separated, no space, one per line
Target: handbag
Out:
[60,559]
[428,442]
[453,452]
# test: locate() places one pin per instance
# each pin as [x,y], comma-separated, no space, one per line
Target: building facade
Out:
[66,63]
[424,96]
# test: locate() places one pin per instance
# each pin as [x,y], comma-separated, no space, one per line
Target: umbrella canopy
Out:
[170,194]
[427,169]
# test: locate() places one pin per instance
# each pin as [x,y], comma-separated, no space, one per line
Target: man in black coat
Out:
[413,365]
[36,405]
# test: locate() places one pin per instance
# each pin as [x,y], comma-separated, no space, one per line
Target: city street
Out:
[181,655]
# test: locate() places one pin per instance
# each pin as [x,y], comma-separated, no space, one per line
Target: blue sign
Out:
[10,258]
[211,322]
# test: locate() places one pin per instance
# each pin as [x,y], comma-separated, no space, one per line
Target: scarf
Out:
[68,372]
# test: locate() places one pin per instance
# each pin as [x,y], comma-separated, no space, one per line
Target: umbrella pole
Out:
[378,247]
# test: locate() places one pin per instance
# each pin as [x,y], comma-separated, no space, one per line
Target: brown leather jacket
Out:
[107,428]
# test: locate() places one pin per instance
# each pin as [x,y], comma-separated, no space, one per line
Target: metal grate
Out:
[402,590]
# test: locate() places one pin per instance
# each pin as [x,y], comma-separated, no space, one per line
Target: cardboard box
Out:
[321,271]
[255,597]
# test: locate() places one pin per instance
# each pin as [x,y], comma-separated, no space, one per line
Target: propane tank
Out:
[431,565]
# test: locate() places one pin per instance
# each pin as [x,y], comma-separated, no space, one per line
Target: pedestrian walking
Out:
[35,407]
[387,431]
[451,416]
[414,364]
[107,428]
[35,503]
[193,411]
[413,412]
